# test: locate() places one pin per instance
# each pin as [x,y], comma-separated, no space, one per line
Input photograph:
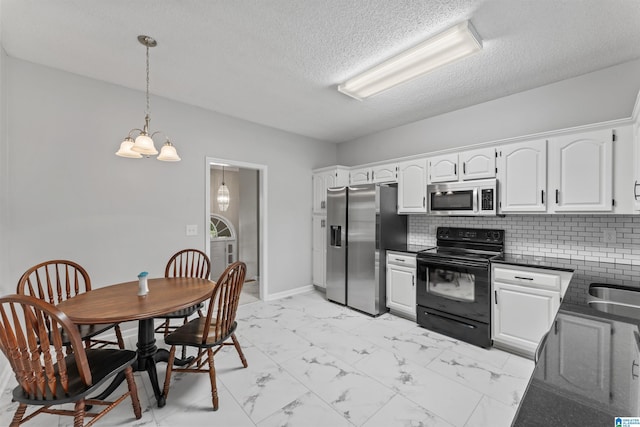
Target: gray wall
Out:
[71,197]
[591,98]
[248,239]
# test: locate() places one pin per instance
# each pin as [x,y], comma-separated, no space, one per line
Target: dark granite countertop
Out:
[588,369]
[412,249]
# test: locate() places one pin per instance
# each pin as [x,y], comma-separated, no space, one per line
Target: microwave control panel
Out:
[487,199]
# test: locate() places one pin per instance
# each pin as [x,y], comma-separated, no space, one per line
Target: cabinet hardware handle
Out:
[464,168]
[399,260]
[373,175]
[413,281]
[633,365]
[555,327]
[455,169]
[496,297]
[635,190]
[523,278]
[424,202]
[323,204]
[542,195]
[557,196]
[367,176]
[322,224]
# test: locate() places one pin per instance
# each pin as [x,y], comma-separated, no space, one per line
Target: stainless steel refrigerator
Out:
[362,223]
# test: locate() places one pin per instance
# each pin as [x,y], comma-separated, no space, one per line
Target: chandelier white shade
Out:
[144,145]
[455,43]
[126,151]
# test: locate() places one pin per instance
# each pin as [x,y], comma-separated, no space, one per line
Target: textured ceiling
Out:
[278,62]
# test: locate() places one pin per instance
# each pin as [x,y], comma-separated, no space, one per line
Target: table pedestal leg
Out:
[148,356]
[147,353]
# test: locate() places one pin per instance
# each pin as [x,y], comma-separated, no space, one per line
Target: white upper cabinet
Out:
[412,186]
[522,176]
[443,168]
[327,178]
[581,172]
[478,164]
[384,173]
[359,176]
[387,173]
[463,166]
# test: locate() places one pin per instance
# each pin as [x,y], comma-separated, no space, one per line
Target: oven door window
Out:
[451,284]
[452,201]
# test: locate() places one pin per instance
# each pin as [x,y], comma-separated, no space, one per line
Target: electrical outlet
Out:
[192,230]
[609,235]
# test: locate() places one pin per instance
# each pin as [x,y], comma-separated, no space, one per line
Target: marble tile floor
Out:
[315,363]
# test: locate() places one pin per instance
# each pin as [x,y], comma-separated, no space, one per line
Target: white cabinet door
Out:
[401,290]
[443,168]
[522,315]
[581,171]
[582,363]
[319,193]
[384,173]
[360,176]
[636,166]
[326,179]
[522,176]
[478,164]
[401,284]
[412,186]
[319,250]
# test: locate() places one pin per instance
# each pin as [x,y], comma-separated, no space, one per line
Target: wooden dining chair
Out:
[184,263]
[212,331]
[31,335]
[57,280]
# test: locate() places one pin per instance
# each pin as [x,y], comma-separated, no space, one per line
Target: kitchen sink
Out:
[615,299]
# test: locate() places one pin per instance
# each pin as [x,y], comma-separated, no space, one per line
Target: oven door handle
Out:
[455,263]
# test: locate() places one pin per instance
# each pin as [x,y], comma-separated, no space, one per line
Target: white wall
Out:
[591,98]
[4,171]
[71,197]
[248,219]
[4,185]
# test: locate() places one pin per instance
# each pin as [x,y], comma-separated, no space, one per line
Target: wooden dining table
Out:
[120,303]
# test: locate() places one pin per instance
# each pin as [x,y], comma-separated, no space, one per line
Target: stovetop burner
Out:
[459,254]
[479,245]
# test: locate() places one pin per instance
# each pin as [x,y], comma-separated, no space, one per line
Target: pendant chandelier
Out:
[143,144]
[223,195]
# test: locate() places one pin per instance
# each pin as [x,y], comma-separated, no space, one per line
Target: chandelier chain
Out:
[148,108]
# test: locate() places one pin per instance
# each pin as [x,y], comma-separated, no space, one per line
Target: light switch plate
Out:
[609,235]
[192,230]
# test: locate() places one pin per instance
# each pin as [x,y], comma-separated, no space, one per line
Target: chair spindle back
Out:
[35,350]
[188,263]
[54,281]
[224,302]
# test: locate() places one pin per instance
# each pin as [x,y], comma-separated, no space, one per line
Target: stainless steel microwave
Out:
[468,198]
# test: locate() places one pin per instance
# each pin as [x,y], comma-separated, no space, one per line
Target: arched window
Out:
[220,227]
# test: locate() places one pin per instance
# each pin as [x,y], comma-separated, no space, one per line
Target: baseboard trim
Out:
[289,293]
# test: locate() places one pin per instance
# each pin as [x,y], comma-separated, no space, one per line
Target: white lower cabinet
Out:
[401,284]
[525,302]
[581,362]
[319,250]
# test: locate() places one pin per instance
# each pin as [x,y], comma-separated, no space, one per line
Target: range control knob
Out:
[496,235]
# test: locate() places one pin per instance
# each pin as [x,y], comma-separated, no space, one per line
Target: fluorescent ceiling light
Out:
[450,45]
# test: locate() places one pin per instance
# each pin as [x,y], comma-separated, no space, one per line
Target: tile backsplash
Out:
[579,237]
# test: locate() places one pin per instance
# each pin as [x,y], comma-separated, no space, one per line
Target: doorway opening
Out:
[236,220]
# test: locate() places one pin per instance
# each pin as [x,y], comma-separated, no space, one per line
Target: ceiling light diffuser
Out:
[450,45]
